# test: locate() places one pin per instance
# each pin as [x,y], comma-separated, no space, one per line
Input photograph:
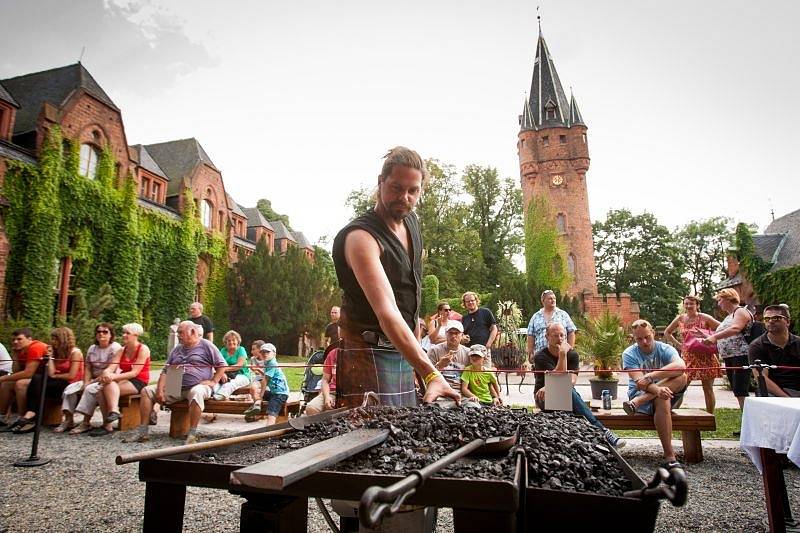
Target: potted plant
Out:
[510,352]
[601,344]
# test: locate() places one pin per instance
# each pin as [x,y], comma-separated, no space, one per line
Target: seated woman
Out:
[66,367]
[237,374]
[128,373]
[98,357]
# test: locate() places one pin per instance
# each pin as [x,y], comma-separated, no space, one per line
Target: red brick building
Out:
[71,98]
[553,150]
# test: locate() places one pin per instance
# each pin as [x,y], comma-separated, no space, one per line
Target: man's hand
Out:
[222,379]
[664,392]
[329,401]
[161,396]
[539,395]
[643,382]
[438,388]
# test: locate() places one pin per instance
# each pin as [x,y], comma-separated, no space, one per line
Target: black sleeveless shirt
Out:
[404,273]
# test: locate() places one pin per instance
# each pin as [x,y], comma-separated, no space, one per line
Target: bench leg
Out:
[130,417]
[178,423]
[692,446]
[52,412]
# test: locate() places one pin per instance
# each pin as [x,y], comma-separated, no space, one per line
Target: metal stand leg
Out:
[163,507]
[34,459]
[277,514]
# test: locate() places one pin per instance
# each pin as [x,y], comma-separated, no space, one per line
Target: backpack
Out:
[755,328]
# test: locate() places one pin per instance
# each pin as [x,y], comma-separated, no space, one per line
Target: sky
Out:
[691,106]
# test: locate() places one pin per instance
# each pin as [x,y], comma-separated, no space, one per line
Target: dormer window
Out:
[206,213]
[550,114]
[89,158]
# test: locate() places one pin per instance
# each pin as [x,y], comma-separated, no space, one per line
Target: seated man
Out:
[326,399]
[27,354]
[781,348]
[659,388]
[478,385]
[451,356]
[203,369]
[558,356]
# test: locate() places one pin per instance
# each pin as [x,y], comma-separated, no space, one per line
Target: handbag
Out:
[696,345]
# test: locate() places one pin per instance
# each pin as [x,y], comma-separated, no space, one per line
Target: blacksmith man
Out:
[378,259]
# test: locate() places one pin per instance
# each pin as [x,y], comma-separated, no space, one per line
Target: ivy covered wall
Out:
[780,286]
[148,259]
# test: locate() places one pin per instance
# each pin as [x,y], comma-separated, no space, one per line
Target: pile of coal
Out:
[422,435]
[565,452]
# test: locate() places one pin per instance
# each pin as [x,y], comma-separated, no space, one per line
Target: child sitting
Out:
[478,385]
[276,388]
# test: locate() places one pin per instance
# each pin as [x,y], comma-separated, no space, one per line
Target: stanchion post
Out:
[34,459]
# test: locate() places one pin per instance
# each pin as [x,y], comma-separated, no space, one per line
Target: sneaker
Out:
[613,440]
[253,410]
[629,408]
[219,397]
[153,418]
[669,465]
[190,439]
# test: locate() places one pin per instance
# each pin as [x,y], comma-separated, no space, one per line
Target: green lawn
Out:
[728,421]
[293,375]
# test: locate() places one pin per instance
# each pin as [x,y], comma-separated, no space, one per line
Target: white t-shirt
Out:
[97,358]
[6,364]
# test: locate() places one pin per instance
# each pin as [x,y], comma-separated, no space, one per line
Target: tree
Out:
[704,244]
[265,206]
[280,297]
[636,255]
[545,263]
[360,200]
[450,247]
[496,215]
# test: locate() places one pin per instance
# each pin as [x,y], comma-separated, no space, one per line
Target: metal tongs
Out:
[666,485]
[377,502]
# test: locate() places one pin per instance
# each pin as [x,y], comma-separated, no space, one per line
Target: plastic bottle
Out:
[607,399]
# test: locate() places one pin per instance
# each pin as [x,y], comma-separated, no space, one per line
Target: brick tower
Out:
[553,158]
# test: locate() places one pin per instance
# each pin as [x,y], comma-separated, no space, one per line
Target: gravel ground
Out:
[83,490]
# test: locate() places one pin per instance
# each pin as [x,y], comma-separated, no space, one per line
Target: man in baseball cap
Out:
[450,356]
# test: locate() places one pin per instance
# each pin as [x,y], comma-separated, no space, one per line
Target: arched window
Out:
[561,223]
[89,157]
[206,213]
[571,264]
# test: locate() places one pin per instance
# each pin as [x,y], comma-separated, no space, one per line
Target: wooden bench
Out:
[690,422]
[128,405]
[179,415]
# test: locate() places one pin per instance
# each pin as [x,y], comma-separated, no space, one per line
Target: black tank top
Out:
[404,273]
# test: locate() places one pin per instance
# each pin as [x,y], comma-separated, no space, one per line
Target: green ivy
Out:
[430,295]
[147,259]
[780,286]
[545,252]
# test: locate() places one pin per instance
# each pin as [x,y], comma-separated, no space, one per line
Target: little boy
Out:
[276,388]
[478,385]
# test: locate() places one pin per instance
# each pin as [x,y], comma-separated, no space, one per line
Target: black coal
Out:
[564,452]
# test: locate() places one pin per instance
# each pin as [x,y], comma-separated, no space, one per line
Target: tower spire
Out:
[548,103]
[574,113]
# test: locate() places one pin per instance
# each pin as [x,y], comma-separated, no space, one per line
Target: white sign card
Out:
[174,382]
[558,395]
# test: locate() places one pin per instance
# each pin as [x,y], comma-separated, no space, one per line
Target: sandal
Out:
[80,428]
[100,432]
[63,427]
[27,427]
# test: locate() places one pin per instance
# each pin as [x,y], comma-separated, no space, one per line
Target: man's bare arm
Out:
[362,254]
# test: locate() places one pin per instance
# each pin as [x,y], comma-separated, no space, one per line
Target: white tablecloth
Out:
[771,423]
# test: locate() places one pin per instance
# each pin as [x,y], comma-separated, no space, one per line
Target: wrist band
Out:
[430,377]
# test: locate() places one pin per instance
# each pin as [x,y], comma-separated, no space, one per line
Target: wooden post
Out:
[163,507]
[278,514]
[692,446]
[63,294]
[772,490]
